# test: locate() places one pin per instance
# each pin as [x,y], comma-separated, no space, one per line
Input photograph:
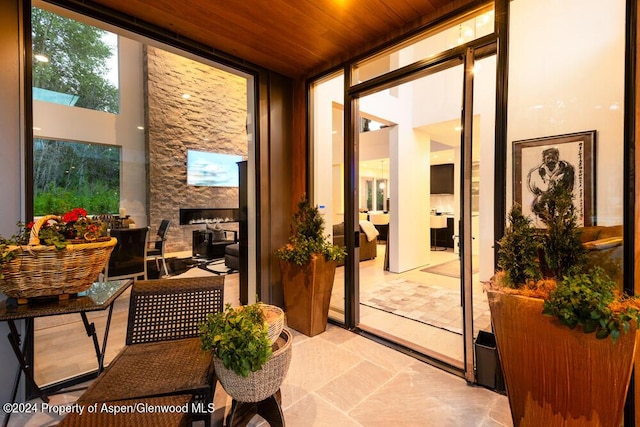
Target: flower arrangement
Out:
[73,226]
[55,255]
[306,239]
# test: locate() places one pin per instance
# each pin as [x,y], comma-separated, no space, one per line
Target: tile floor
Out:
[342,379]
[335,378]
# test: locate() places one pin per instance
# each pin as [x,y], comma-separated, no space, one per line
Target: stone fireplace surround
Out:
[213,119]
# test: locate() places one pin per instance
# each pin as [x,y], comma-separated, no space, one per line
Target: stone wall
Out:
[212,119]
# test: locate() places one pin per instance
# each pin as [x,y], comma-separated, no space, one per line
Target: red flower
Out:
[74,215]
[30,225]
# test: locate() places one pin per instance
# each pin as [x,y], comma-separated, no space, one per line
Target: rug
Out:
[180,266]
[451,268]
[426,303]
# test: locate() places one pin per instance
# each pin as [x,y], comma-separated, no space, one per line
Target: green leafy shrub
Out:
[239,337]
[589,300]
[518,251]
[307,238]
[561,245]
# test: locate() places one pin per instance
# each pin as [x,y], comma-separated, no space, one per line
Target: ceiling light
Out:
[141,127]
[41,58]
[36,128]
[186,96]
[457,128]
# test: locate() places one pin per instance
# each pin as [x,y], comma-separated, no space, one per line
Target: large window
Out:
[478,23]
[69,174]
[566,103]
[128,148]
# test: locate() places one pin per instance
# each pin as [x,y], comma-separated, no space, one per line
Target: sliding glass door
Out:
[426,145]
[406,138]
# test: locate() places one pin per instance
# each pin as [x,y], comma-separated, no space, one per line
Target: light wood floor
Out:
[64,350]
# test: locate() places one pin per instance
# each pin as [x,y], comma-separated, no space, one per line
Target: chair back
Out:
[128,258]
[162,234]
[168,309]
[379,218]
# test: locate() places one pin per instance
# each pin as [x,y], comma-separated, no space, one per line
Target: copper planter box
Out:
[307,294]
[555,375]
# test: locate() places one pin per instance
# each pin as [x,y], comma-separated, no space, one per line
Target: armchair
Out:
[368,248]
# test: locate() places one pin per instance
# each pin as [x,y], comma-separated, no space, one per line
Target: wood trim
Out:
[300,143]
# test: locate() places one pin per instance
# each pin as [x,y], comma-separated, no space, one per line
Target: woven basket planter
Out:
[274,316]
[261,384]
[37,270]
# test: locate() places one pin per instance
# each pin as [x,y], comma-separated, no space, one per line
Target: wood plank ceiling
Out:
[292,37]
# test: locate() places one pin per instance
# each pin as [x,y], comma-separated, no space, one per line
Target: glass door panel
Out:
[328,161]
[482,191]
[411,292]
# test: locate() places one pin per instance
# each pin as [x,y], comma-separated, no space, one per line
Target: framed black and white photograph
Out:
[540,164]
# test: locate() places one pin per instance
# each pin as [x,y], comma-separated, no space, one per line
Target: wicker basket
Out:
[263,383]
[274,316]
[275,319]
[38,270]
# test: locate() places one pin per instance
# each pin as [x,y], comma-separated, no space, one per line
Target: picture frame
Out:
[567,159]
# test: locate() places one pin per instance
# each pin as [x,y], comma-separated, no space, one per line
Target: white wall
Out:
[327,149]
[80,124]
[566,75]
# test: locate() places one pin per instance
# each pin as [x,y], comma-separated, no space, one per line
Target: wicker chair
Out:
[163,356]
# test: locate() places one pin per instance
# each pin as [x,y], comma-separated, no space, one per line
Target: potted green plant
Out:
[249,365]
[551,323]
[308,264]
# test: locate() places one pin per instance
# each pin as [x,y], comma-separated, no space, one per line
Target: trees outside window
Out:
[71,174]
[72,63]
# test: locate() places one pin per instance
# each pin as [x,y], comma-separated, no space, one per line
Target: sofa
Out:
[368,248]
[604,248]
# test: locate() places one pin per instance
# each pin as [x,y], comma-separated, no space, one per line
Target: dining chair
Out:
[156,247]
[129,256]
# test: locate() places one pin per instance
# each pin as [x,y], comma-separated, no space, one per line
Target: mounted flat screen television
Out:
[207,169]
